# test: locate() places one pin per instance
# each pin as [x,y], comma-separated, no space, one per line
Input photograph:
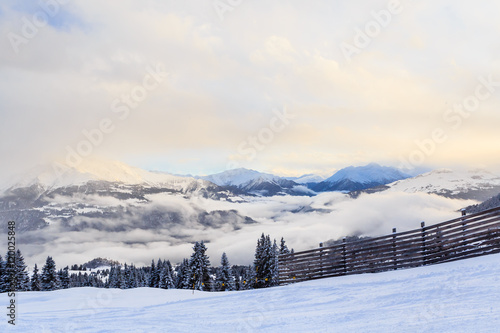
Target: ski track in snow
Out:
[462,296]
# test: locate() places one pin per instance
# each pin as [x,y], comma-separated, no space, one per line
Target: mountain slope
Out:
[307,179]
[360,178]
[109,196]
[56,175]
[257,183]
[461,296]
[474,184]
[488,204]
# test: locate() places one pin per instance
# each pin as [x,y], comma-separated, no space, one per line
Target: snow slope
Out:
[462,296]
[59,175]
[367,174]
[238,177]
[257,183]
[359,178]
[479,184]
[307,179]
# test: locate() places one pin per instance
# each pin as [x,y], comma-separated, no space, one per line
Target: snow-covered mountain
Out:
[307,179]
[474,184]
[257,183]
[56,175]
[99,191]
[360,178]
[492,202]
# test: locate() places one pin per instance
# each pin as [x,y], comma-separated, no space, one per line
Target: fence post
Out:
[464,222]
[394,248]
[344,255]
[422,226]
[321,259]
[439,248]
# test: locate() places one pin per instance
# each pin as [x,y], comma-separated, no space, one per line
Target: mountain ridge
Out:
[359,178]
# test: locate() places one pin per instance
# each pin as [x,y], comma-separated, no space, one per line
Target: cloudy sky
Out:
[286,87]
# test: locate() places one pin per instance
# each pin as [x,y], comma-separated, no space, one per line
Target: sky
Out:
[295,87]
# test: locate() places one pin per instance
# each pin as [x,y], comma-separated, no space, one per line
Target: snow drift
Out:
[462,296]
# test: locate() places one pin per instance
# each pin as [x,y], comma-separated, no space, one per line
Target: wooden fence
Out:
[465,237]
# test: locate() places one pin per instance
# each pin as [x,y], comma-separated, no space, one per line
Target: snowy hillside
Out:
[59,175]
[359,178]
[307,179]
[238,177]
[476,184]
[257,183]
[463,296]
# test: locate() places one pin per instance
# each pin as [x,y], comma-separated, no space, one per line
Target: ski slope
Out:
[462,296]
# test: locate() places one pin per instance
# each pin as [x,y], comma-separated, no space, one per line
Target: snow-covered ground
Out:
[462,296]
[445,181]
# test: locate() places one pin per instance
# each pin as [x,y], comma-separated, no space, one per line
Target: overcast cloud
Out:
[304,222]
[225,78]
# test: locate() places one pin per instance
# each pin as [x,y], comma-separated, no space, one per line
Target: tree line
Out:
[194,273]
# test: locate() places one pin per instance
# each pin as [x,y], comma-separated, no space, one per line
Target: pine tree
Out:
[249,278]
[261,264]
[283,247]
[64,278]
[35,280]
[127,277]
[166,281]
[116,278]
[17,275]
[171,271]
[225,277]
[3,276]
[265,266]
[198,266]
[139,278]
[50,279]
[154,277]
[183,275]
[131,276]
[274,265]
[111,282]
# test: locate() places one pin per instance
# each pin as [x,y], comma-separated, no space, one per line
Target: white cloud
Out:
[227,76]
[302,221]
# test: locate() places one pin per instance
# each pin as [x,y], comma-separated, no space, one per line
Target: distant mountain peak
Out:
[472,184]
[58,175]
[237,177]
[257,183]
[355,178]
[309,178]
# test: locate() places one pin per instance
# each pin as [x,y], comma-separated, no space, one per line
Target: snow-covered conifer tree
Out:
[50,279]
[283,247]
[225,277]
[64,277]
[154,277]
[183,275]
[3,276]
[35,280]
[198,266]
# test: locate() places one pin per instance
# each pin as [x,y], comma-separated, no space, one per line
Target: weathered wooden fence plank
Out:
[465,237]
